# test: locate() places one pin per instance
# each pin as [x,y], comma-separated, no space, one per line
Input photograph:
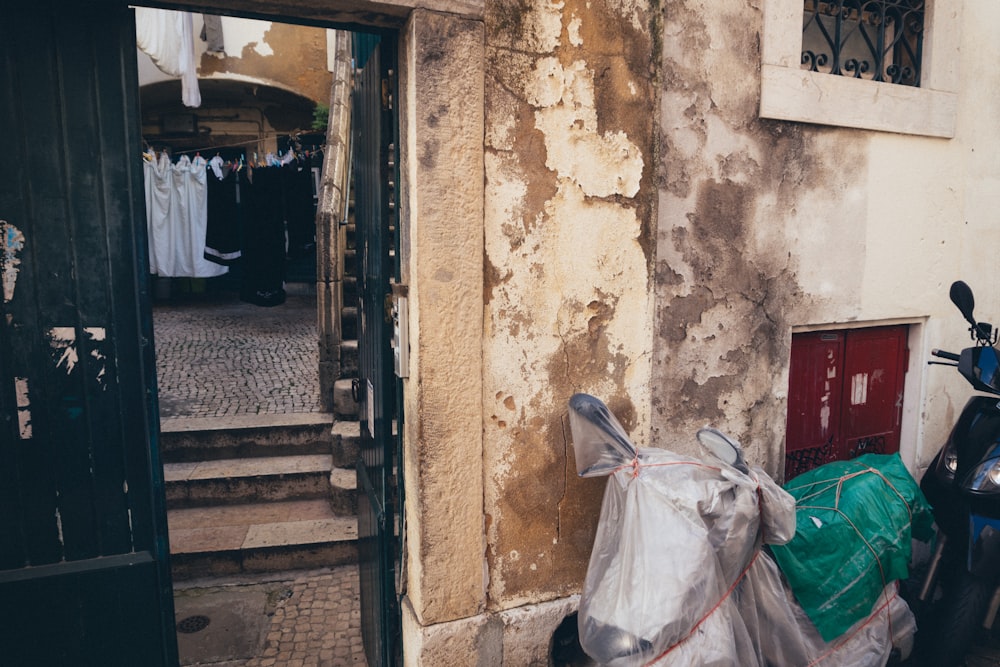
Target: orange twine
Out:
[634,464]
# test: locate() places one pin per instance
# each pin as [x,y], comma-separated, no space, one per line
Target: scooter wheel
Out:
[960,619]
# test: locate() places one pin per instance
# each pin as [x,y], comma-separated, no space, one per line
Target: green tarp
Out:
[854,523]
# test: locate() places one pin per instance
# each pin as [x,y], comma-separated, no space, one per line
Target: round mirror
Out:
[719,445]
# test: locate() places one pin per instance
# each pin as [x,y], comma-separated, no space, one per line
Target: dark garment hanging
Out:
[300,210]
[211,33]
[264,236]
[222,235]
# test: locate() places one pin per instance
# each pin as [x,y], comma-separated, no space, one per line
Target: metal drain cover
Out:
[193,624]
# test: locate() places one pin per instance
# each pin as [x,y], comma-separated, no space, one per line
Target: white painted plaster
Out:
[602,165]
[239,33]
[573,31]
[545,17]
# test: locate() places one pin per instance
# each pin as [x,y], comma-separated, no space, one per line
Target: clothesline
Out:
[204,216]
[317,149]
[270,159]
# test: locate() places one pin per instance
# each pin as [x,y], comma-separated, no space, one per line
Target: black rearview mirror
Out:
[961,296]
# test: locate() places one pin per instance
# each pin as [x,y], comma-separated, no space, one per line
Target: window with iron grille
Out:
[877,40]
[882,65]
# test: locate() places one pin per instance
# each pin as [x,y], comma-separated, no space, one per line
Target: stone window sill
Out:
[793,94]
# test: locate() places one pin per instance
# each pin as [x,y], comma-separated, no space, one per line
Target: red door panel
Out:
[815,369]
[845,395]
[873,391]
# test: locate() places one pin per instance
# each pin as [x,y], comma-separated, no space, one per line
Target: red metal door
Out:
[845,395]
[874,366]
[814,392]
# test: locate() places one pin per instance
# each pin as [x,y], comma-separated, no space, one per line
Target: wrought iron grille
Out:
[877,40]
[803,460]
[874,444]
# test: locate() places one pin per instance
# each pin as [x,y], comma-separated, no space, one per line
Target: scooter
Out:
[962,485]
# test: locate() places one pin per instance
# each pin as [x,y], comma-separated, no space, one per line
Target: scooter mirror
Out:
[961,296]
[723,447]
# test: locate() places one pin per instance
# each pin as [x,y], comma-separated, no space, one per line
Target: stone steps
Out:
[249,436]
[270,511]
[234,481]
[259,537]
[349,323]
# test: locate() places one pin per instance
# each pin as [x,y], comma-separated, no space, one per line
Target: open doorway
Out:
[258,459]
[86,571]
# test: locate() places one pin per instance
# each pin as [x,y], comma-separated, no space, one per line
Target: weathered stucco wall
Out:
[263,50]
[293,57]
[726,279]
[768,225]
[569,198]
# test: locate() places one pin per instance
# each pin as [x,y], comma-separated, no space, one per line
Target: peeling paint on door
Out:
[23,408]
[859,389]
[97,337]
[13,243]
[63,340]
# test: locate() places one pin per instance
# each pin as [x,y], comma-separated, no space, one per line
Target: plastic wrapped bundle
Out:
[676,574]
[676,535]
[856,522]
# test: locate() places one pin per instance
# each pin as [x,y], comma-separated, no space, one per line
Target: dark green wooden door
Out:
[373,123]
[84,572]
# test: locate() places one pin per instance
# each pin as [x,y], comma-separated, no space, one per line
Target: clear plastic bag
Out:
[677,575]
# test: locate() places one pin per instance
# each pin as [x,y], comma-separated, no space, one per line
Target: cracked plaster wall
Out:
[569,158]
[768,225]
[725,278]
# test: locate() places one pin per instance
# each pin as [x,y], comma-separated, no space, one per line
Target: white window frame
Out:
[788,92]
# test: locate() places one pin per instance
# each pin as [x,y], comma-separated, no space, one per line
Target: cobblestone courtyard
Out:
[217,357]
[304,619]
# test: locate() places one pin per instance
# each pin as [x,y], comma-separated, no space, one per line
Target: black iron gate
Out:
[84,571]
[375,138]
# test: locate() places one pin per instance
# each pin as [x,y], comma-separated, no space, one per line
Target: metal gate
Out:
[379,505]
[84,571]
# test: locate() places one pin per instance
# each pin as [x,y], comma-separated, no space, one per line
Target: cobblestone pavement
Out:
[319,625]
[311,619]
[217,356]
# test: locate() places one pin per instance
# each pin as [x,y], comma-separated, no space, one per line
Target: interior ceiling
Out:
[222,103]
[165,97]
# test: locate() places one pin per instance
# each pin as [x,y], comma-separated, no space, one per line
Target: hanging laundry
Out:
[211,34]
[264,236]
[167,36]
[300,208]
[177,217]
[222,235]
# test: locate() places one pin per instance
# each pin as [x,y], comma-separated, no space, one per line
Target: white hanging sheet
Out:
[167,36]
[177,217]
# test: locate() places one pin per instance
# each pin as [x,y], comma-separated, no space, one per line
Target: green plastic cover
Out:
[854,524]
